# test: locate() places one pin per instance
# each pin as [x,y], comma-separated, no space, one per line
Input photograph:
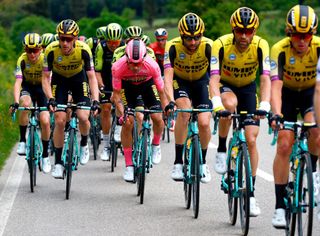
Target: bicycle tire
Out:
[93,138]
[168,135]
[305,197]
[195,167]
[144,156]
[232,201]
[113,150]
[68,167]
[186,185]
[244,186]
[31,162]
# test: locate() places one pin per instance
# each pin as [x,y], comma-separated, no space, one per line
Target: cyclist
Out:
[293,75]
[94,41]
[135,74]
[158,47]
[27,89]
[47,38]
[237,58]
[316,101]
[70,61]
[146,39]
[186,76]
[104,55]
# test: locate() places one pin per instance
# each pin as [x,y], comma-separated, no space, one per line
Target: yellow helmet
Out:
[302,19]
[32,40]
[191,24]
[244,17]
[68,27]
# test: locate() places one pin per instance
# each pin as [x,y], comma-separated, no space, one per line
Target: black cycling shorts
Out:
[35,92]
[77,85]
[197,91]
[147,91]
[247,99]
[295,102]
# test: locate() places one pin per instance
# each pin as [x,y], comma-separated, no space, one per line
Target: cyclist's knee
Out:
[284,148]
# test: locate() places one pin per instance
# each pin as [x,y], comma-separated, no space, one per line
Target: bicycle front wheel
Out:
[68,167]
[244,187]
[232,201]
[31,159]
[144,156]
[186,184]
[304,215]
[195,173]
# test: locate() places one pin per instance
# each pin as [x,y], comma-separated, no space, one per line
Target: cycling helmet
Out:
[244,17]
[47,38]
[101,32]
[145,38]
[114,31]
[161,33]
[301,19]
[191,24]
[136,51]
[68,27]
[133,32]
[32,40]
[56,37]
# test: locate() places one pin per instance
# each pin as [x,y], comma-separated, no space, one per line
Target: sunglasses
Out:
[195,38]
[32,50]
[299,36]
[65,39]
[242,31]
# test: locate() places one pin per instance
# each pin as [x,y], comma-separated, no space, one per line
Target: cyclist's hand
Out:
[51,105]
[169,108]
[13,107]
[275,121]
[95,107]
[263,110]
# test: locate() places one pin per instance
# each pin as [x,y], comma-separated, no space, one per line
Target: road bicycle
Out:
[33,145]
[299,198]
[95,135]
[114,145]
[71,151]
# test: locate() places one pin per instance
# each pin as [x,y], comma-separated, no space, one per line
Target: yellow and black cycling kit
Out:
[121,51]
[188,66]
[29,72]
[297,73]
[68,65]
[240,68]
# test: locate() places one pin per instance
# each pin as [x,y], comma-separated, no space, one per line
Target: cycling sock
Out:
[67,126]
[45,144]
[280,195]
[253,184]
[222,144]
[204,154]
[314,160]
[84,140]
[23,131]
[179,152]
[128,156]
[58,152]
[106,139]
[156,139]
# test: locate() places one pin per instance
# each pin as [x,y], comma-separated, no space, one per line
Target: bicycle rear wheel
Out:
[31,159]
[244,187]
[142,172]
[304,214]
[68,167]
[232,201]
[186,184]
[195,173]
[94,139]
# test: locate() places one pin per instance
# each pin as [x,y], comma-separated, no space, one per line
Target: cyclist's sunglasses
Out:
[190,38]
[67,39]
[300,36]
[32,50]
[245,31]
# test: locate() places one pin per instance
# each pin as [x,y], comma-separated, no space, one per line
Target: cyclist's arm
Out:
[93,84]
[265,88]
[46,86]
[116,96]
[98,63]
[317,102]
[99,79]
[16,90]
[168,83]
[276,93]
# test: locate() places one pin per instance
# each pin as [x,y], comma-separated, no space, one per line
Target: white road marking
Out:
[265,175]
[10,190]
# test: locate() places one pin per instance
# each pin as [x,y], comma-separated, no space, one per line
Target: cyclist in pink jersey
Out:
[136,74]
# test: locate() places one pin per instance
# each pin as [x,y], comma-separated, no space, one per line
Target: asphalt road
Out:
[102,203]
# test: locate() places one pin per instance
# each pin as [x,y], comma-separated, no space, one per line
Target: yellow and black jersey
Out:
[188,66]
[240,68]
[297,73]
[121,51]
[70,65]
[29,72]
[93,43]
